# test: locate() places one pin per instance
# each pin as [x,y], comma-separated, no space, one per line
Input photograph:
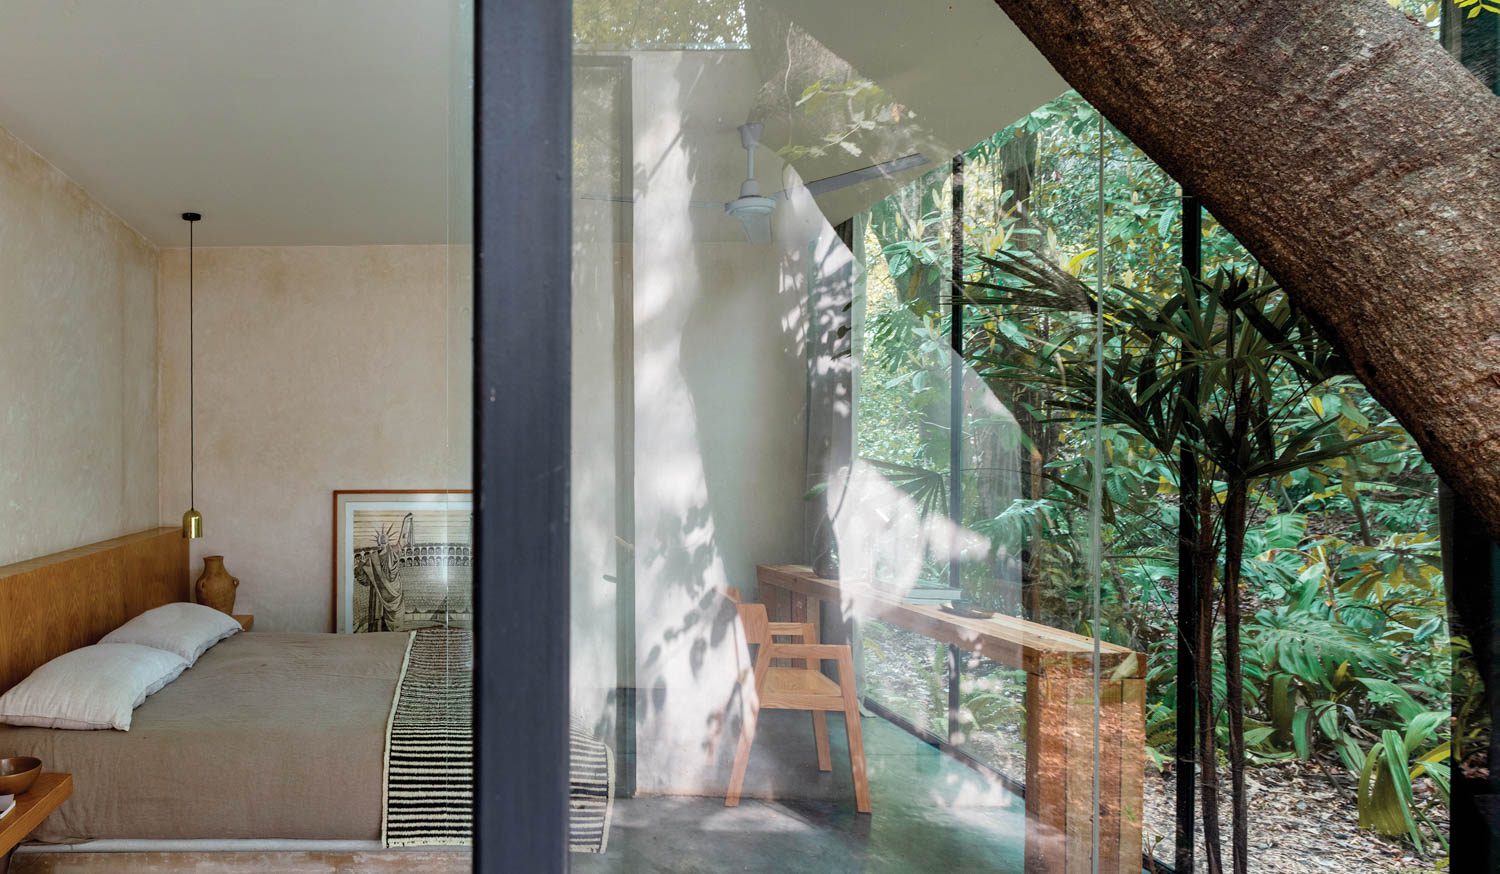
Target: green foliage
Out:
[1392,765]
[1475,7]
[1347,655]
[1312,648]
[859,106]
[664,24]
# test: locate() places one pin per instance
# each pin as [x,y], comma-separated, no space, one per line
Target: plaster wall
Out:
[318,368]
[77,364]
[717,374]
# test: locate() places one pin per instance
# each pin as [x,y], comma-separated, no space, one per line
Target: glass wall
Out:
[1102,546]
[808,494]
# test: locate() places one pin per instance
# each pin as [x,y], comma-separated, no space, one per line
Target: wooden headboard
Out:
[57,603]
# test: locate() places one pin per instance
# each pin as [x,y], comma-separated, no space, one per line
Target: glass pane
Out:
[807,499]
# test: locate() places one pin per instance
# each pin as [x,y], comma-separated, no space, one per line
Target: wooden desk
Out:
[1059,714]
[36,804]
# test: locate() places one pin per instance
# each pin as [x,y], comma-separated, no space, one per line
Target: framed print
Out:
[402,559]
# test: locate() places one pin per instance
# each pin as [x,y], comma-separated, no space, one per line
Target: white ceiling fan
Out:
[753,210]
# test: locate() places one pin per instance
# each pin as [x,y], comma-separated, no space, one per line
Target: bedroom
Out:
[306,532]
[298,354]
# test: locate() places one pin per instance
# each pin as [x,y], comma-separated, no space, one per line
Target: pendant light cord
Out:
[192,388]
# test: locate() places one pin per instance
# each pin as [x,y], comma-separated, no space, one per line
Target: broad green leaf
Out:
[1387,693]
[1302,733]
[1395,762]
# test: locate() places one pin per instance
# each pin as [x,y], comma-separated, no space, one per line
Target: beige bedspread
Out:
[267,736]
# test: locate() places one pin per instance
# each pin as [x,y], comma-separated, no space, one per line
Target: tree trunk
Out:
[1236,520]
[1018,168]
[1207,553]
[1350,154]
[1236,501]
[1350,487]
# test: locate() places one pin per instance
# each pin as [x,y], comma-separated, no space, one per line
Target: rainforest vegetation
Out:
[1317,524]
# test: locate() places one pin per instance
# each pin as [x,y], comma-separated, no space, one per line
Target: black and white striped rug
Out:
[429,773]
[429,749]
[591,792]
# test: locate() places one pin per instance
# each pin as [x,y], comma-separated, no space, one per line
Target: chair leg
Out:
[820,732]
[857,759]
[742,755]
[855,733]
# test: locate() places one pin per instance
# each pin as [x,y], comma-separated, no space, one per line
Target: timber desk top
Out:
[1015,642]
[32,806]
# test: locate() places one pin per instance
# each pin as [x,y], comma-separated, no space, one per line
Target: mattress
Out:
[267,736]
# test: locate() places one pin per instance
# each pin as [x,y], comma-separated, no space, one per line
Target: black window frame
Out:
[522,327]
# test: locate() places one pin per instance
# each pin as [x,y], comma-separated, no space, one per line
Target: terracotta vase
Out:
[215,587]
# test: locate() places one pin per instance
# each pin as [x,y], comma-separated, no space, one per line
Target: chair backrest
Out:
[752,618]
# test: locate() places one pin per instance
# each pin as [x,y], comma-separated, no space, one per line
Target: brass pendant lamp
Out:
[192,520]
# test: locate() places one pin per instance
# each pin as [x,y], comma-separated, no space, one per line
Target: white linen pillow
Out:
[182,628]
[94,687]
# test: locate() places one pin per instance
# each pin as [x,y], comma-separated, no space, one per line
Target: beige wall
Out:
[718,376]
[720,388]
[318,368]
[77,354]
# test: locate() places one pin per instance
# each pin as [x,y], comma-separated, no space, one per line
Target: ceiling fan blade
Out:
[605,198]
[717,205]
[864,174]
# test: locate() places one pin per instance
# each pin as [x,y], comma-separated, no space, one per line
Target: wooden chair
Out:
[795,688]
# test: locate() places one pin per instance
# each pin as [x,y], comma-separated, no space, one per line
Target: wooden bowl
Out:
[17,773]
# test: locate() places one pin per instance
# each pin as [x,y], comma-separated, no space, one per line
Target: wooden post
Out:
[1060,768]
[1046,770]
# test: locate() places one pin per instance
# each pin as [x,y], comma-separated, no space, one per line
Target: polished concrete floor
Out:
[930,814]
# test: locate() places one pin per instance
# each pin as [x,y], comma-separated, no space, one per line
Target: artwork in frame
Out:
[402,559]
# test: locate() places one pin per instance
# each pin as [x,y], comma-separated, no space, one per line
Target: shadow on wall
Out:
[720,386]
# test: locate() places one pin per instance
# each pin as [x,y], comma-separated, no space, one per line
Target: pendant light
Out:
[192,520]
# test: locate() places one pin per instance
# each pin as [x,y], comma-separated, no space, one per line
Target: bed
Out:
[267,736]
[293,737]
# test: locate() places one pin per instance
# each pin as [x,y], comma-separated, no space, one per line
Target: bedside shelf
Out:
[46,795]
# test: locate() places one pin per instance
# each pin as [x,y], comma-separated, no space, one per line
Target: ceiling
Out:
[285,122]
[295,122]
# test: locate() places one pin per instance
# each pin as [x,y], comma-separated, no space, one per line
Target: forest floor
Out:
[1303,816]
[1303,820]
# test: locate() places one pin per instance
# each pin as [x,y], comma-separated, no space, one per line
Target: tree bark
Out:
[1018,170]
[1350,154]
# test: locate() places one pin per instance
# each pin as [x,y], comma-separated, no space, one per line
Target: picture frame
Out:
[402,559]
